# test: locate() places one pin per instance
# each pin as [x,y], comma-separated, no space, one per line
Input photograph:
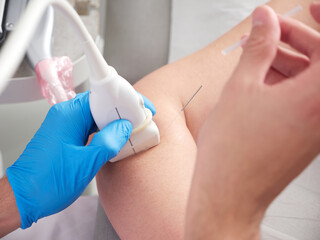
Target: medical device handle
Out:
[40,46]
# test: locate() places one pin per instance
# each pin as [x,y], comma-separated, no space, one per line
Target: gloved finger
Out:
[148,104]
[315,11]
[300,37]
[261,47]
[83,98]
[71,120]
[290,63]
[80,107]
[111,139]
[104,146]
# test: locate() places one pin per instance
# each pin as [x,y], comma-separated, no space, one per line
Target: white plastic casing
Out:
[40,46]
[114,98]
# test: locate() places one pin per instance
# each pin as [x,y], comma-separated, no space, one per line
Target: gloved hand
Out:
[56,166]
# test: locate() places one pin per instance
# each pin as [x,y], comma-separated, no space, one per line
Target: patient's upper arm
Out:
[145,196]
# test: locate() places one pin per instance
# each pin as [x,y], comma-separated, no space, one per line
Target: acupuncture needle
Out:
[182,109]
[240,43]
[184,106]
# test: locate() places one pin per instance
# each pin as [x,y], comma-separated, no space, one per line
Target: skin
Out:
[146,196]
[9,213]
[274,134]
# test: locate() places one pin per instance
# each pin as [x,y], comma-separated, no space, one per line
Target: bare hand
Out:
[262,133]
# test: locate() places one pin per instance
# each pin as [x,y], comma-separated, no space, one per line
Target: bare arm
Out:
[9,214]
[146,196]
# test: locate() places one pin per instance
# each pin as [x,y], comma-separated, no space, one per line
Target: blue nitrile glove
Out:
[56,166]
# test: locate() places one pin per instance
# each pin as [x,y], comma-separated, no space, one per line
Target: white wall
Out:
[195,24]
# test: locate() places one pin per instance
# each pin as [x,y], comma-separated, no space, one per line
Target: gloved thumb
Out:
[111,139]
[261,48]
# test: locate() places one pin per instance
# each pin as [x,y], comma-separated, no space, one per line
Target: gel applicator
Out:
[111,96]
[54,74]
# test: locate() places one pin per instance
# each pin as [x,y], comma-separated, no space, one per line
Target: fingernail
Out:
[259,17]
[244,39]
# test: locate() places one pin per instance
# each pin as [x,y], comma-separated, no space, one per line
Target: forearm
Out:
[9,213]
[214,210]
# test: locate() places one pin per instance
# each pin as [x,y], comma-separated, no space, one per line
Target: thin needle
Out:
[230,49]
[182,109]
[191,98]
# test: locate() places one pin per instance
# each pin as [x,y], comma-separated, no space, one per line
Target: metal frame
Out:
[3,16]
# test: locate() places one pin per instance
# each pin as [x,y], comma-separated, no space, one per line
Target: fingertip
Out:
[265,26]
[82,101]
[261,46]
[83,98]
[127,127]
[263,15]
[113,137]
[259,16]
[244,36]
[82,95]
[244,39]
[121,129]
